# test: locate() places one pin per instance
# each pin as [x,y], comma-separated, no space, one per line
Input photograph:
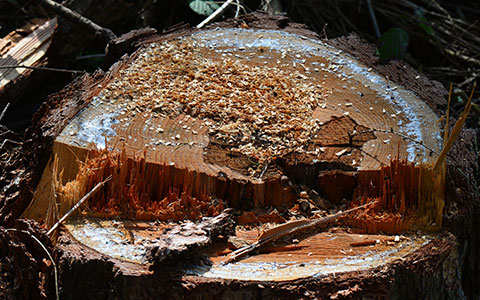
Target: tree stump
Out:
[272,122]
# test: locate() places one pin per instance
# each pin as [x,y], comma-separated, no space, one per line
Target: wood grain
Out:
[27,51]
[229,114]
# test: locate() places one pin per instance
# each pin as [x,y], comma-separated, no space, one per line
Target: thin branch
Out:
[4,132]
[237,12]
[264,170]
[42,69]
[74,16]
[215,14]
[463,57]
[466,81]
[374,18]
[49,256]
[100,55]
[286,229]
[9,141]
[4,111]
[86,197]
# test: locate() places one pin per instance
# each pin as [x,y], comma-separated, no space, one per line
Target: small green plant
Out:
[203,7]
[423,22]
[392,44]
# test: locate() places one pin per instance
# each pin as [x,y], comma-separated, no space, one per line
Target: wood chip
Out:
[341,152]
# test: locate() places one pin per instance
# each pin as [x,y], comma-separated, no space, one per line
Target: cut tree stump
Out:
[264,118]
[228,112]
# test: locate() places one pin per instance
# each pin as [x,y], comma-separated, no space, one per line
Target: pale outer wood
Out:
[27,52]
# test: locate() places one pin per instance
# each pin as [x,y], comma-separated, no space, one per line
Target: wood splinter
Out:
[85,198]
[286,229]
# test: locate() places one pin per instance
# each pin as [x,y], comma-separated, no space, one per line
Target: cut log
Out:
[197,121]
[28,51]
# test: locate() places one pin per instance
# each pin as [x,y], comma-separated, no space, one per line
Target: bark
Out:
[27,272]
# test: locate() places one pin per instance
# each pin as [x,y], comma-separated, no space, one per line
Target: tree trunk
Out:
[260,116]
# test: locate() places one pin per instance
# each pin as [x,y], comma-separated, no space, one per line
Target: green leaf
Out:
[203,7]
[423,22]
[393,44]
[428,30]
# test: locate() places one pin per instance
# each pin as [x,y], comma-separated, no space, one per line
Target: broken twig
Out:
[215,14]
[42,69]
[9,141]
[4,111]
[85,198]
[286,229]
[72,15]
[374,18]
